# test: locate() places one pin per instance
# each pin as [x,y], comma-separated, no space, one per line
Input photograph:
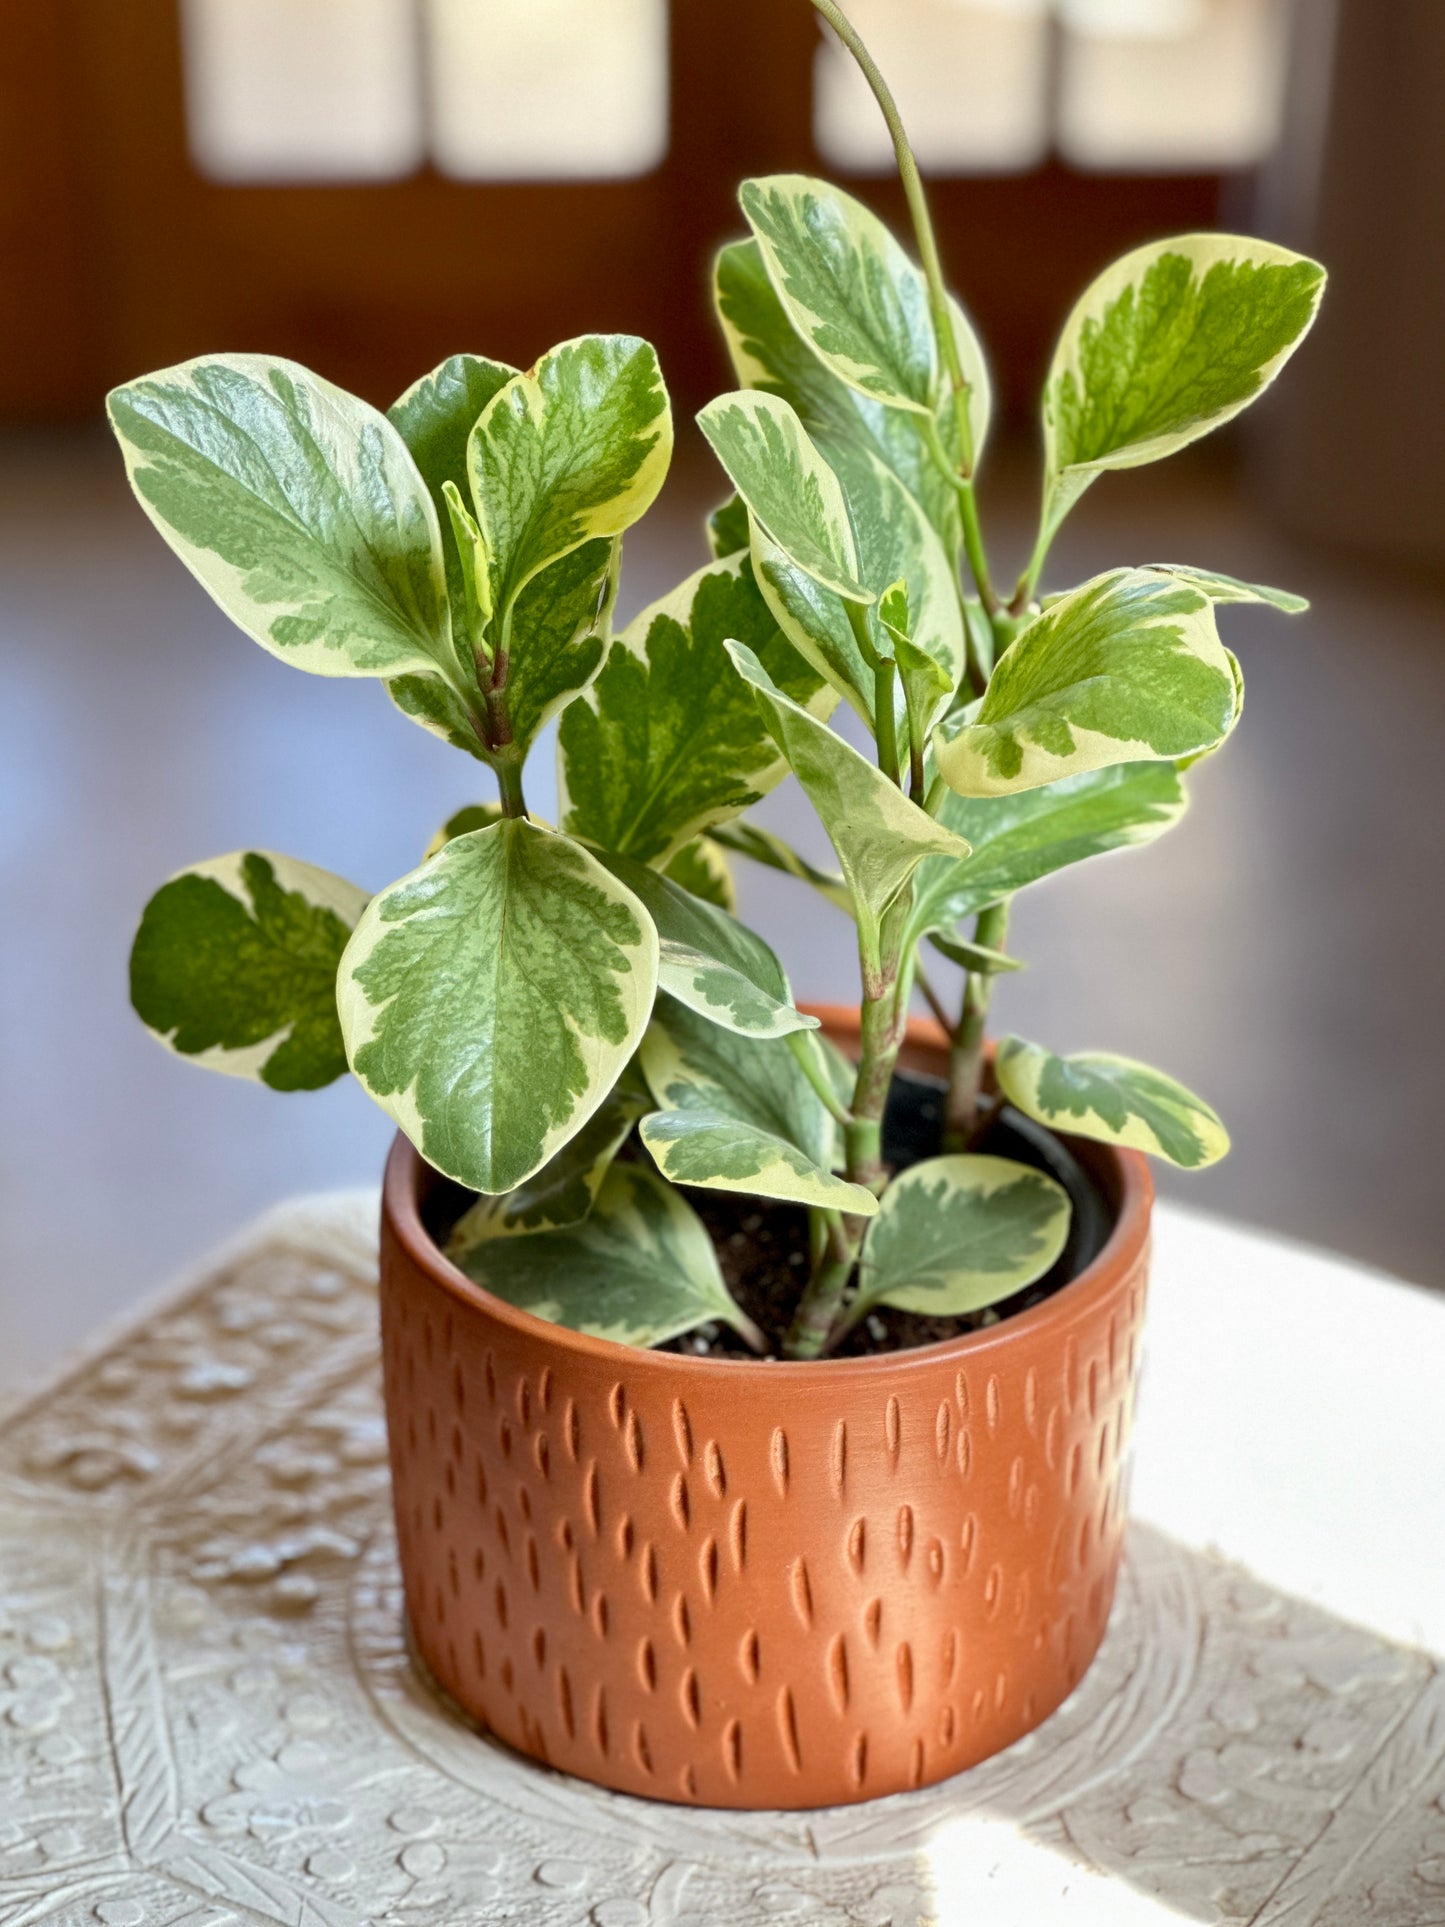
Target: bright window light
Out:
[569,89]
[302,90]
[1142,86]
[971,77]
[985,1870]
[1171,86]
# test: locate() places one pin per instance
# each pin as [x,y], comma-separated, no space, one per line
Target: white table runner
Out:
[207,1715]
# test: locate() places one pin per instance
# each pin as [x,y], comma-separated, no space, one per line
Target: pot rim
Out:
[401,1209]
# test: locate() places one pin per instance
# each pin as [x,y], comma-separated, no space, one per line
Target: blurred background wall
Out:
[369,185]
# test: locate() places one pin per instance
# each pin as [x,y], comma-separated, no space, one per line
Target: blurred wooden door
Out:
[120,255]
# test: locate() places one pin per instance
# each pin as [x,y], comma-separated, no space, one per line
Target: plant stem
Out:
[934,1002]
[967,1057]
[881,1027]
[928,254]
[885,725]
[820,1304]
[922,219]
[509,781]
[800,1042]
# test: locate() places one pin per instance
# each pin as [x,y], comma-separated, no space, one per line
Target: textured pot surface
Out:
[759,1585]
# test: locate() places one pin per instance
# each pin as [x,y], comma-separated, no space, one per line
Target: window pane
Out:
[970,77]
[295,90]
[1171,85]
[571,89]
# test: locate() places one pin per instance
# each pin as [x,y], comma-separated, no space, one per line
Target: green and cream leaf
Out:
[1228,588]
[638,1270]
[297,507]
[565,1189]
[1170,342]
[1128,668]
[880,836]
[234,966]
[767,354]
[893,542]
[1094,1094]
[728,529]
[571,452]
[701,867]
[667,741]
[791,493]
[851,293]
[1019,839]
[738,1114]
[490,1000]
[707,959]
[435,418]
[956,1234]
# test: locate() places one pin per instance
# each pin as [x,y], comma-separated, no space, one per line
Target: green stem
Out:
[967,1056]
[820,1304]
[968,515]
[509,781]
[928,254]
[885,726]
[882,1023]
[922,220]
[1028,582]
[800,1042]
[973,549]
[934,1002]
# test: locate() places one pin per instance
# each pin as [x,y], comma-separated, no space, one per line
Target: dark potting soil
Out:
[762,1247]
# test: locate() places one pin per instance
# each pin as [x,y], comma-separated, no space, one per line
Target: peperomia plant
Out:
[570,1021]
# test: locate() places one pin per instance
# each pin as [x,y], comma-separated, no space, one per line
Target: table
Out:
[207,1713]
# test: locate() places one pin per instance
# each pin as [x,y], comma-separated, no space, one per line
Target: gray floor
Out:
[1281,951]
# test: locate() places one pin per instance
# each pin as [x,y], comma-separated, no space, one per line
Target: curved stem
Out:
[800,1042]
[922,219]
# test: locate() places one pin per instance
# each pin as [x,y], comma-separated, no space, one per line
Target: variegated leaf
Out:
[701,867]
[790,491]
[666,741]
[879,835]
[639,1269]
[767,354]
[738,1114]
[490,1000]
[565,1189]
[559,635]
[297,507]
[1094,1094]
[1228,588]
[728,531]
[956,1234]
[434,418]
[1128,668]
[572,451]
[708,960]
[1168,343]
[234,966]
[1019,839]
[849,290]
[893,541]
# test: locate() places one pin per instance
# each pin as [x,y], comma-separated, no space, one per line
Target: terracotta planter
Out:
[750,1585]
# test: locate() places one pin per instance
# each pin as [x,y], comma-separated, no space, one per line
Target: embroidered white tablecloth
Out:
[207,1715]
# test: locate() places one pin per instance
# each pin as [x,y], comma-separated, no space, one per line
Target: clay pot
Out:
[759,1585]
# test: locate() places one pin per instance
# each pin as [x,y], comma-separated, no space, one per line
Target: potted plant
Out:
[758,1409]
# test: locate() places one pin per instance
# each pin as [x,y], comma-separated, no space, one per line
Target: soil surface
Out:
[762,1247]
